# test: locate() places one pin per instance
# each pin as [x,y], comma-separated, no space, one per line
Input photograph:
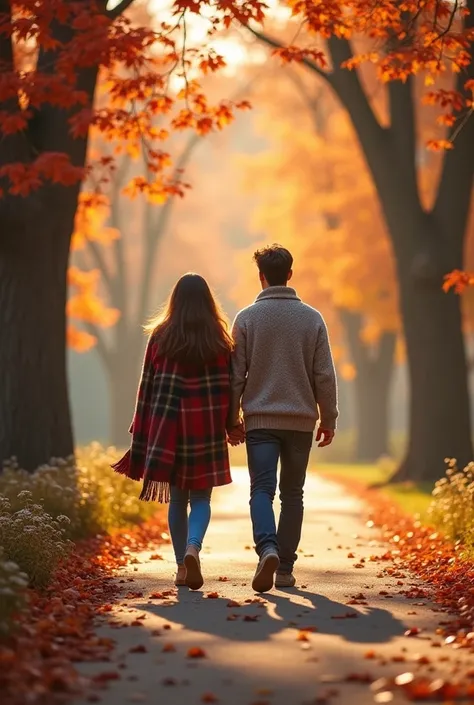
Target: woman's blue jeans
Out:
[188,531]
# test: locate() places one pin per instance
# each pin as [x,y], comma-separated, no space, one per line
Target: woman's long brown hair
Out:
[191,328]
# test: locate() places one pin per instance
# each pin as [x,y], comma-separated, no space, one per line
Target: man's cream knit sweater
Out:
[282,367]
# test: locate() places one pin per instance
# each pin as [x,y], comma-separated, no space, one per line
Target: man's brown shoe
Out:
[285,580]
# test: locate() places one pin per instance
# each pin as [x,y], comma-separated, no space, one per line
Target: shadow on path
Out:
[260,620]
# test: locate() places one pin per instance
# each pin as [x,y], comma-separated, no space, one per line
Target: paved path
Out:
[253,652]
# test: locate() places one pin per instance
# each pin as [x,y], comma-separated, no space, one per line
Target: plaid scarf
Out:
[179,426]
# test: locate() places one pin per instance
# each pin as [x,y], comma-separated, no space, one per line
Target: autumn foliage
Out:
[137,56]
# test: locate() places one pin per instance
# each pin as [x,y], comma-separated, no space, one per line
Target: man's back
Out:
[282,366]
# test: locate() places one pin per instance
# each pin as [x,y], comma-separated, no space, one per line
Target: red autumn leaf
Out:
[169,681]
[346,615]
[212,595]
[196,652]
[413,631]
[139,649]
[209,698]
[359,678]
[106,676]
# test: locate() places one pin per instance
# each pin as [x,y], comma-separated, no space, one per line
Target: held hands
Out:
[236,435]
[325,436]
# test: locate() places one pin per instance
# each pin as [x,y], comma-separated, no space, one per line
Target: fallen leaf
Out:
[196,652]
[413,631]
[232,617]
[106,676]
[212,595]
[156,557]
[156,596]
[302,636]
[251,618]
[233,603]
[140,649]
[169,681]
[346,615]
[168,648]
[209,698]
[222,579]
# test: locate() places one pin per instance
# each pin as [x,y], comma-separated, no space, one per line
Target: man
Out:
[282,371]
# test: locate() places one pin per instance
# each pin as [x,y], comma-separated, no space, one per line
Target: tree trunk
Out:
[35,420]
[439,399]
[35,423]
[374,369]
[372,428]
[123,385]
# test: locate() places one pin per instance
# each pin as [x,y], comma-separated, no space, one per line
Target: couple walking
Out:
[265,384]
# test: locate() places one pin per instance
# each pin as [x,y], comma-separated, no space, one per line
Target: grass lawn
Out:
[414,499]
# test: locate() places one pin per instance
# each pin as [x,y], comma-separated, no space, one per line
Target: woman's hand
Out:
[236,435]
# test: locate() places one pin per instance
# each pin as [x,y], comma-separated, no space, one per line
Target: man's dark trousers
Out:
[264,448]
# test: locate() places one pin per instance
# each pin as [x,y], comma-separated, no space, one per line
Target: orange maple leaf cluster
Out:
[458,281]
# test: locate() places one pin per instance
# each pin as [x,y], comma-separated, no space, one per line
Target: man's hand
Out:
[325,436]
[236,435]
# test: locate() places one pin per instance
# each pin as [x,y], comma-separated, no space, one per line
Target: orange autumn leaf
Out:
[168,648]
[196,652]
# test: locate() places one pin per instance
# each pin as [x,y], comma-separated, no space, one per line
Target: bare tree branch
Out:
[155,230]
[276,44]
[312,101]
[99,261]
[403,129]
[102,347]
[119,9]
[455,185]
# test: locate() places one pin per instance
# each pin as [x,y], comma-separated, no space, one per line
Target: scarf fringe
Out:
[122,466]
[155,491]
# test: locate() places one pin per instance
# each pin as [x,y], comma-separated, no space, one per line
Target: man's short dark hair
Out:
[275,263]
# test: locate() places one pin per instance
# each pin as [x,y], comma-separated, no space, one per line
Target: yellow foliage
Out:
[347,371]
[86,305]
[92,213]
[79,340]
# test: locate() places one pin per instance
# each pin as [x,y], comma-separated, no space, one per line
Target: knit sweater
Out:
[282,366]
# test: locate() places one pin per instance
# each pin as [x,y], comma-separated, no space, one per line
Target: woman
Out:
[179,441]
